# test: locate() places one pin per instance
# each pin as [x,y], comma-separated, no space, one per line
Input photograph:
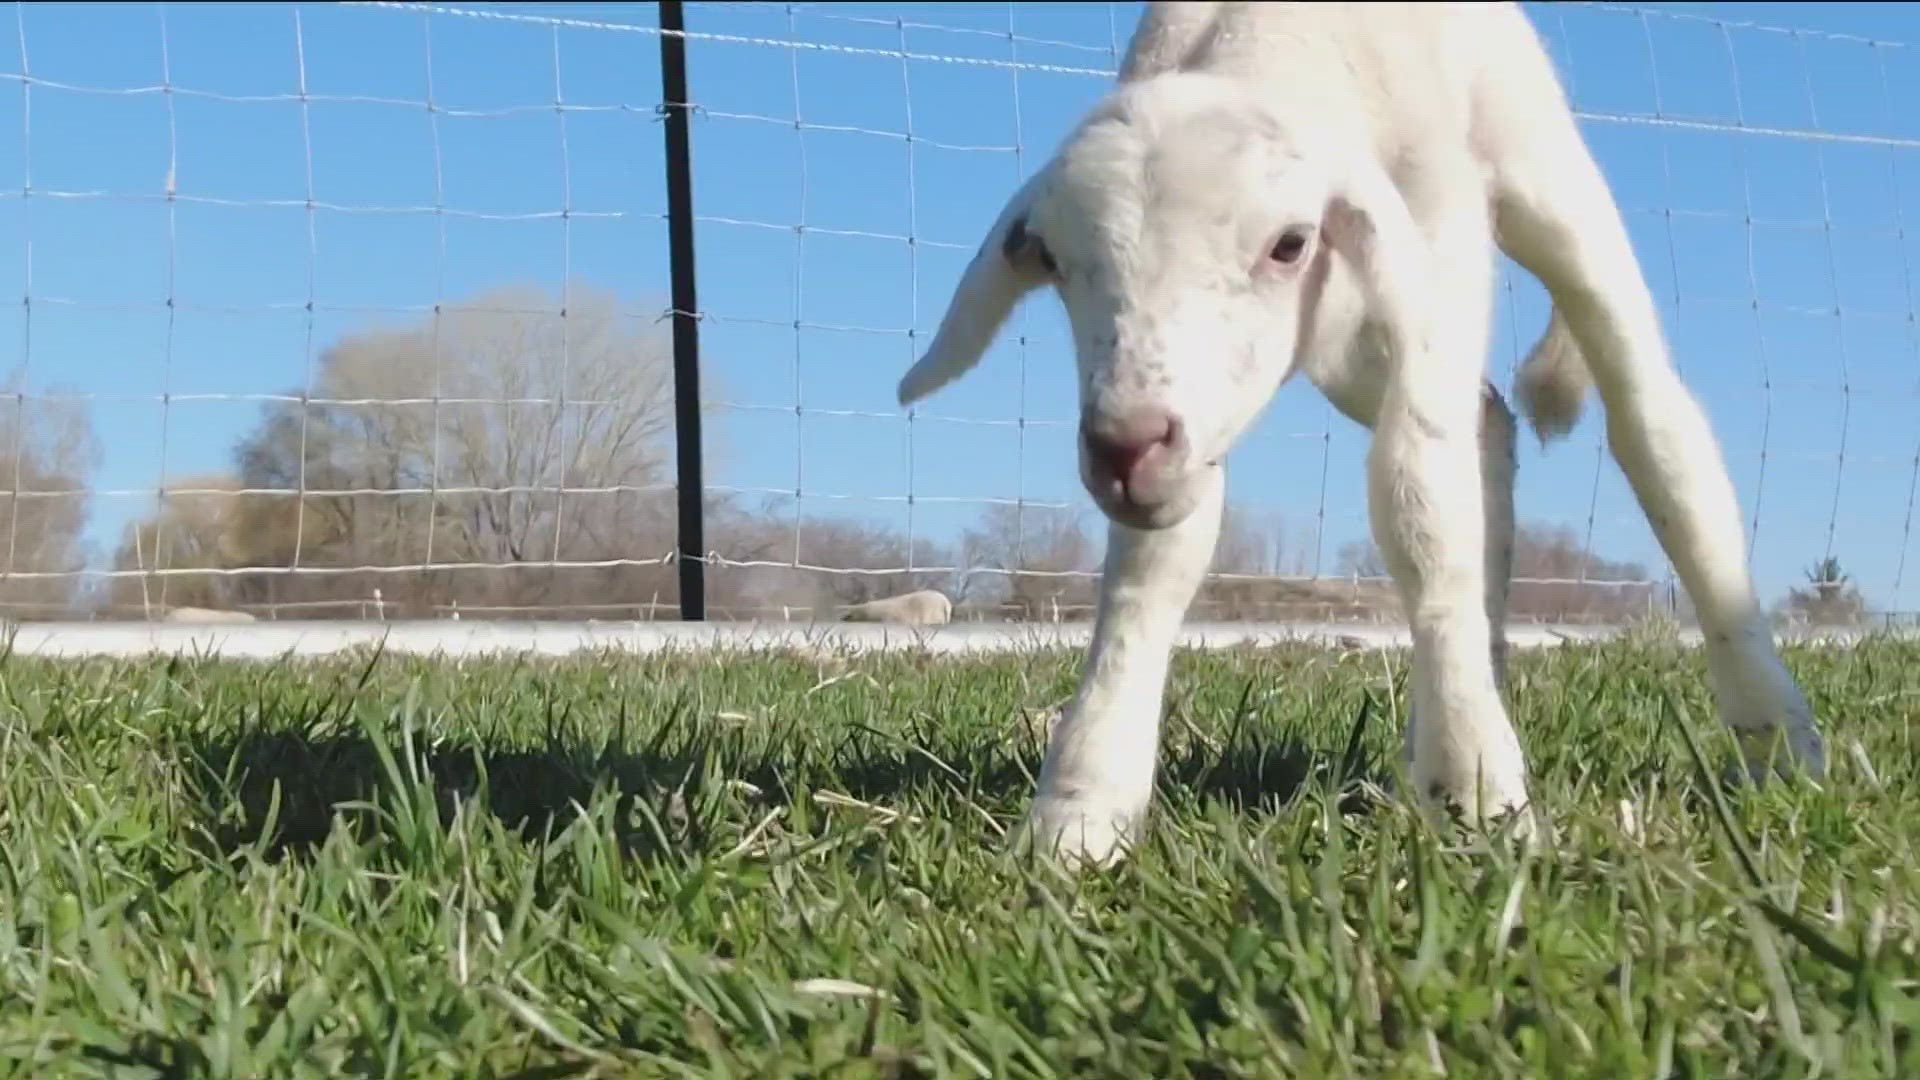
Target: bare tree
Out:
[774,536]
[1249,553]
[509,431]
[1259,577]
[48,450]
[198,527]
[1361,558]
[1250,542]
[505,455]
[1590,587]
[1037,546]
[1555,578]
[515,450]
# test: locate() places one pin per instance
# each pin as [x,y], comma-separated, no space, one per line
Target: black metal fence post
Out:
[686,312]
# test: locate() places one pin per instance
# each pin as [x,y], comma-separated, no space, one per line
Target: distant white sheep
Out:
[926,607]
[1319,188]
[206,615]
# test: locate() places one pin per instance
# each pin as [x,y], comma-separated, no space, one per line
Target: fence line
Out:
[296,507]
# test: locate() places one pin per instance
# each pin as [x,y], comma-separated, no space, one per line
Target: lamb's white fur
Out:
[1403,141]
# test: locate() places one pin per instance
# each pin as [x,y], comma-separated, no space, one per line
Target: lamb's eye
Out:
[1289,247]
[1047,263]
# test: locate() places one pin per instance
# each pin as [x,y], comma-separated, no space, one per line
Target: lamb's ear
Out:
[1007,266]
[1368,225]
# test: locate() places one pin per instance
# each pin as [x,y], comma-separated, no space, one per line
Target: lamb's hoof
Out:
[1083,834]
[1502,810]
[1767,752]
[1773,725]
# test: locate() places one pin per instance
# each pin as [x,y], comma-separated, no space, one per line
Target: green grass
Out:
[382,865]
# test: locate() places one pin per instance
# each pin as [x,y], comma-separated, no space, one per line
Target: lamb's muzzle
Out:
[1131,462]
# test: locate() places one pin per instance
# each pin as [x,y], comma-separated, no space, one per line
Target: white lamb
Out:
[922,607]
[1319,187]
[206,615]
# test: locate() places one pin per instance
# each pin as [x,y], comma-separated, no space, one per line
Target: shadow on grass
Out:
[685,785]
[285,790]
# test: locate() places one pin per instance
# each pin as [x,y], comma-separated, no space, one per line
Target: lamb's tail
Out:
[1553,382]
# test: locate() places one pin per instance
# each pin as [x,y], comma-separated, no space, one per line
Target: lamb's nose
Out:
[1118,442]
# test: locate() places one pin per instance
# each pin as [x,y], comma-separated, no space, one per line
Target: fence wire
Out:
[361,311]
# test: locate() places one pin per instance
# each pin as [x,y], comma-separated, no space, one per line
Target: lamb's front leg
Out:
[1098,778]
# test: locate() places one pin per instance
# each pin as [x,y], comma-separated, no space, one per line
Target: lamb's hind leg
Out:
[1497,466]
[1498,463]
[1433,422]
[1355,389]
[1463,748]
[1431,296]
[1557,218]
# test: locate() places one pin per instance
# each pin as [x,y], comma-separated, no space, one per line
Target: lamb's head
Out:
[1187,229]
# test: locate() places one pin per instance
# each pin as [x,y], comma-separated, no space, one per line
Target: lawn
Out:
[781,865]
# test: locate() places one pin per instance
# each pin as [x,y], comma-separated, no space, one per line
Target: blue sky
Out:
[1776,254]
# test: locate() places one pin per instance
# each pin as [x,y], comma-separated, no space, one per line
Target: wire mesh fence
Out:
[366,312]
